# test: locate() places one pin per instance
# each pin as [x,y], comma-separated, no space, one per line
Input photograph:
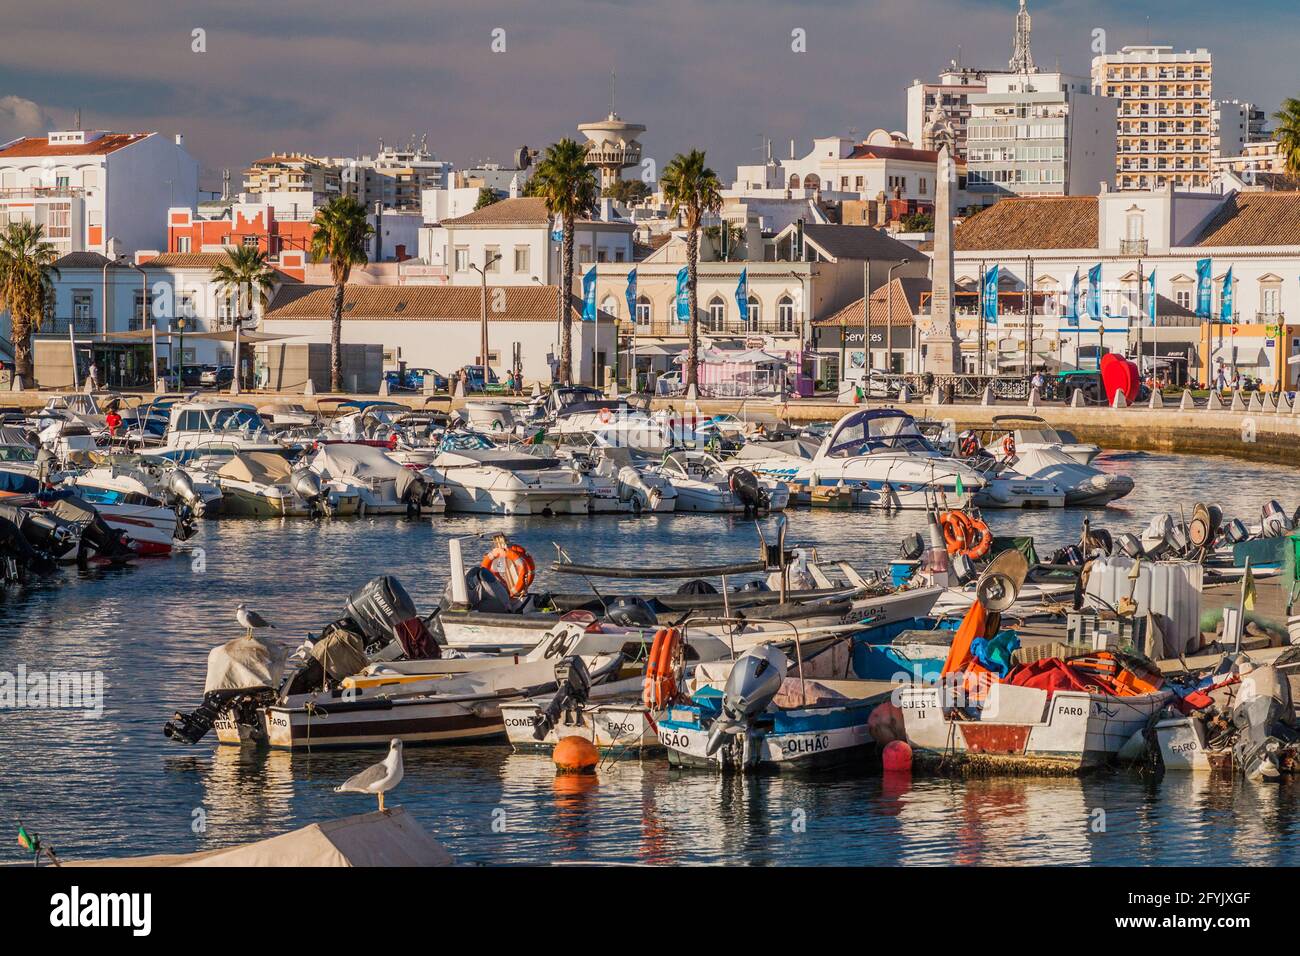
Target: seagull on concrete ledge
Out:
[378,778]
[250,620]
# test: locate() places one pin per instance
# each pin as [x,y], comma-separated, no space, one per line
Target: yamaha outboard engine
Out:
[484,592]
[755,679]
[181,486]
[412,488]
[383,612]
[744,484]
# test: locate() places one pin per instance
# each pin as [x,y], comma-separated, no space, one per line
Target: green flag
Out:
[26,840]
[961,489]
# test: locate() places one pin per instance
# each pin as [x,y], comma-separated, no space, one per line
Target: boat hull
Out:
[624,730]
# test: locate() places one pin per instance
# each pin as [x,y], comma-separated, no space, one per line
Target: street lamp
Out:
[889,314]
[488,260]
[180,364]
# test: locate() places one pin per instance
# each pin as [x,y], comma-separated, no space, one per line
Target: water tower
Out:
[612,144]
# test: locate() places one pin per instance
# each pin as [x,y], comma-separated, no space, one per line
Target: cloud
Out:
[20,117]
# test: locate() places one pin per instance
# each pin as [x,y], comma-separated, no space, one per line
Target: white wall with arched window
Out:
[717,314]
[644,310]
[755,317]
[609,305]
[785,313]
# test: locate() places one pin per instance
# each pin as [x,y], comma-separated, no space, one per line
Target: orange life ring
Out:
[1009,446]
[605,416]
[965,534]
[659,688]
[513,565]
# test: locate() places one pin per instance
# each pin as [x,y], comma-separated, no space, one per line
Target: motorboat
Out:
[281,415]
[1081,484]
[482,477]
[492,416]
[1030,432]
[381,485]
[17,453]
[261,485]
[218,427]
[124,498]
[882,455]
[704,483]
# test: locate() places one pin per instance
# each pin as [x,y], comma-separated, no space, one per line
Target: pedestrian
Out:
[510,382]
[92,376]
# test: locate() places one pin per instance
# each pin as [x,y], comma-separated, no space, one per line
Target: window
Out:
[922,185]
[717,314]
[251,242]
[521,258]
[142,307]
[1270,298]
[755,313]
[584,253]
[82,302]
[785,314]
[642,311]
[462,258]
[492,258]
[859,183]
[1184,298]
[609,305]
[182,243]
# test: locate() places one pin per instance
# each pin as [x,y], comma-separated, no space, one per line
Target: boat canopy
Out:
[343,459]
[877,429]
[261,467]
[796,448]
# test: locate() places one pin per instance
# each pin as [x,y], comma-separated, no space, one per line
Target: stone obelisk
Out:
[942,347]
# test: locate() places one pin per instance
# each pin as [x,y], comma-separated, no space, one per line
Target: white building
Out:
[1038,134]
[395,177]
[1233,124]
[519,231]
[440,327]
[1043,241]
[96,191]
[950,96]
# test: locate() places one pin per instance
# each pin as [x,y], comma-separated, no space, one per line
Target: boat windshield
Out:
[464,441]
[865,433]
[227,419]
[17,453]
[1037,436]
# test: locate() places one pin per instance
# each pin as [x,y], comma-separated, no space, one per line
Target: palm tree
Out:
[1287,134]
[246,280]
[693,190]
[27,275]
[340,236]
[568,184]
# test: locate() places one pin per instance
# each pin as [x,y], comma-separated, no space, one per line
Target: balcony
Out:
[1270,318]
[58,325]
[1133,247]
[42,192]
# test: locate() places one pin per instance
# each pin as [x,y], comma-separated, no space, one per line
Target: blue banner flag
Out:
[991,296]
[631,295]
[683,295]
[742,295]
[1203,288]
[589,295]
[1072,303]
[1225,300]
[1094,292]
[1151,297]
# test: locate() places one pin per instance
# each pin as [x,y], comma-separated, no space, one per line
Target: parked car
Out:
[474,378]
[186,376]
[412,379]
[670,383]
[1086,380]
[217,376]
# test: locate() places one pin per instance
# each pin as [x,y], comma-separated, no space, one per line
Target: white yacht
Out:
[881,454]
[1031,433]
[482,477]
[261,485]
[124,498]
[213,428]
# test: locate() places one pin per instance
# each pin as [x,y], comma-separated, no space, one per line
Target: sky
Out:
[483,77]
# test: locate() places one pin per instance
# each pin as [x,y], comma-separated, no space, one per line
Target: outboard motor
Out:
[572,688]
[755,679]
[484,591]
[1155,539]
[1129,544]
[1235,531]
[961,567]
[632,487]
[744,484]
[412,488]
[912,546]
[1274,521]
[306,485]
[383,612]
[1265,720]
[181,487]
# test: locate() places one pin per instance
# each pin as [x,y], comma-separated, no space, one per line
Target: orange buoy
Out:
[897,757]
[575,754]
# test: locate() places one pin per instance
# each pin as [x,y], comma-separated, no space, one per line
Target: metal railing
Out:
[1133,247]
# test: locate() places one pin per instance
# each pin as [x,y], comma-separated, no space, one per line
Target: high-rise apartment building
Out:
[1164,122]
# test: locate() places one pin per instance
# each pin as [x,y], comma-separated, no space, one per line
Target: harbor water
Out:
[111,784]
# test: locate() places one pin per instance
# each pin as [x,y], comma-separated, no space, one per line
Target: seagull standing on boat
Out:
[250,620]
[378,778]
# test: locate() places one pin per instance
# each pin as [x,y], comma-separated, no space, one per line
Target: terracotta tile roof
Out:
[420,303]
[1039,222]
[864,151]
[40,146]
[192,260]
[857,242]
[524,211]
[906,301]
[1254,219]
